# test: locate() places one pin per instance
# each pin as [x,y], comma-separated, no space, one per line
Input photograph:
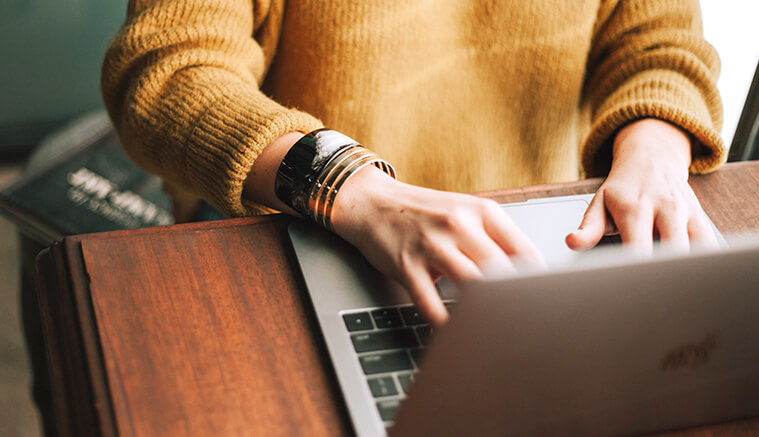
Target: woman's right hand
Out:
[416,235]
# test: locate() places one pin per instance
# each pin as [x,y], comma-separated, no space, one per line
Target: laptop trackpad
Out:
[547,223]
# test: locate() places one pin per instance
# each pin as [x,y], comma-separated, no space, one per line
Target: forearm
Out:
[187,105]
[649,59]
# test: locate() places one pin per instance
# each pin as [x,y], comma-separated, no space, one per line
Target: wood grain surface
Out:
[205,329]
[203,334]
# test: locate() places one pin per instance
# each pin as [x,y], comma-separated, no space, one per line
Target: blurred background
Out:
[51,53]
[50,56]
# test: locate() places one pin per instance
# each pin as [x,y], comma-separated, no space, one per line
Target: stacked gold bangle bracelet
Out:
[334,175]
[316,167]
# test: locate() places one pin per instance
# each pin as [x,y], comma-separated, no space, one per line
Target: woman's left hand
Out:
[646,193]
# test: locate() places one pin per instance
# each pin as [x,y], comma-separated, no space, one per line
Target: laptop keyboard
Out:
[389,343]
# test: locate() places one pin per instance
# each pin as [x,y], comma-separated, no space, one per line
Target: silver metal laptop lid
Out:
[630,347]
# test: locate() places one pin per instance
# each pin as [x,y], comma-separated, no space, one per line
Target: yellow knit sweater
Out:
[458,95]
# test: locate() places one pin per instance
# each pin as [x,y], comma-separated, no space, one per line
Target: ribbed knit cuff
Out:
[226,140]
[660,94]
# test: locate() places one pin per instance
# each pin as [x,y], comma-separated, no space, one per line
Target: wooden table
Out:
[204,329]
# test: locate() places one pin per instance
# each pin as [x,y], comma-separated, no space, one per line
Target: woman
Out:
[457,96]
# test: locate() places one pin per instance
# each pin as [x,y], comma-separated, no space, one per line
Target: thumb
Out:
[594,224]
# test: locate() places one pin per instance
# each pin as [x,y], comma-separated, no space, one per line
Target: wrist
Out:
[259,185]
[653,139]
[315,170]
[367,188]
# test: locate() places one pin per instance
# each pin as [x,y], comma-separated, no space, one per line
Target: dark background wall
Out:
[50,57]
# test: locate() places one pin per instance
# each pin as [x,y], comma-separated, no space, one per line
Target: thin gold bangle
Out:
[332,177]
[324,208]
[335,173]
[377,162]
[322,180]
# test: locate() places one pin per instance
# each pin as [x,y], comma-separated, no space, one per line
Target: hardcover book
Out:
[79,181]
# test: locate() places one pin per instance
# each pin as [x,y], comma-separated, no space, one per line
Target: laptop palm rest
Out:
[333,267]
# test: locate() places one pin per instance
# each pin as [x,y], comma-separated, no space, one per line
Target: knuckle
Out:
[406,264]
[456,220]
[431,248]
[626,205]
[669,202]
[491,209]
[427,242]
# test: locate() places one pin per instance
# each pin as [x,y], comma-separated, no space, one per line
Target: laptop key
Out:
[358,322]
[385,362]
[426,334]
[382,386]
[416,355]
[406,379]
[388,409]
[387,318]
[411,316]
[384,340]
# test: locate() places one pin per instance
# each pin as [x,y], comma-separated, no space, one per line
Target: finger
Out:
[425,296]
[672,226]
[502,230]
[636,227]
[595,223]
[453,264]
[701,232]
[485,253]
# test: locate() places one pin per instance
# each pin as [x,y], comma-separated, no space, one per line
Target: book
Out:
[80,180]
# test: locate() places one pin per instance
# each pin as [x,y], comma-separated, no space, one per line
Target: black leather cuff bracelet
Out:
[315,169]
[304,162]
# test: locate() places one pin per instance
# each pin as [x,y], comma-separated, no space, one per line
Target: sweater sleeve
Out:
[649,59]
[181,83]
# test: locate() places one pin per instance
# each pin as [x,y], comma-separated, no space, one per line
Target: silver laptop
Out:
[377,341]
[610,346]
